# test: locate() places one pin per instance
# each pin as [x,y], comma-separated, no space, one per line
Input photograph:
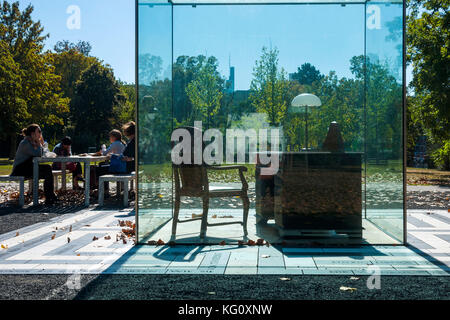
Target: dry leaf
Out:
[222,243]
[95,238]
[241,243]
[78,255]
[70,230]
[160,243]
[4,246]
[194,216]
[251,242]
[68,240]
[285,279]
[53,237]
[152,242]
[124,241]
[107,238]
[260,242]
[347,289]
[17,234]
[214,216]
[265,256]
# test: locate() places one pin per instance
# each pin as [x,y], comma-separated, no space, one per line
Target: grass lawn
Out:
[420,176]
[5,166]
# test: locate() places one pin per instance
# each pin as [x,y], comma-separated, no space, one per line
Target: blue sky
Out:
[326,36]
[107,24]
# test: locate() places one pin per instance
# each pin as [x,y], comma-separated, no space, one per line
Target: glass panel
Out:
[384,161]
[154,116]
[240,75]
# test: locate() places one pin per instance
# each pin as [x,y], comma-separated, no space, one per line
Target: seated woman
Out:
[63,149]
[117,145]
[129,153]
[32,146]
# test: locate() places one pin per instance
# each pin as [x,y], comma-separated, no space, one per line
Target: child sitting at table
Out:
[117,145]
[63,149]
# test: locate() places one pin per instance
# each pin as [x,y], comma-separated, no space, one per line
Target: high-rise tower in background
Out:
[230,81]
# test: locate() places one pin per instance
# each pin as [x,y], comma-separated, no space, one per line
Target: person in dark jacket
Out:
[129,153]
[32,146]
[63,149]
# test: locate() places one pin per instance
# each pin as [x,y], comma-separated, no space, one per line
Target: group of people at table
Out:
[33,145]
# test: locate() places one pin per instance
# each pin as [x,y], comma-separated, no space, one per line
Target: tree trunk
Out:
[12,147]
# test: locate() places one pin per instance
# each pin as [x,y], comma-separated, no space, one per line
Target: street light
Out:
[300,104]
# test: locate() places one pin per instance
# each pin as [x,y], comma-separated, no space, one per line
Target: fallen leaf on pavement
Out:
[160,243]
[95,238]
[251,242]
[260,242]
[124,241]
[285,279]
[4,246]
[354,278]
[265,256]
[347,289]
[222,243]
[17,234]
[68,240]
[108,238]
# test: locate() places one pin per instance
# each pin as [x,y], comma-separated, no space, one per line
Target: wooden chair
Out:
[192,181]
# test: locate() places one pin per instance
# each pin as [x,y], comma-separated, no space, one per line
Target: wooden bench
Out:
[21,181]
[120,179]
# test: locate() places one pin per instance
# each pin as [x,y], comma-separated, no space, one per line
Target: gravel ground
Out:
[220,287]
[200,287]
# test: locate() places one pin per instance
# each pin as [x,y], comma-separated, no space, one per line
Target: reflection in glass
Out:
[234,72]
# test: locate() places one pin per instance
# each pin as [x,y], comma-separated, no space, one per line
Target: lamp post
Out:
[305,100]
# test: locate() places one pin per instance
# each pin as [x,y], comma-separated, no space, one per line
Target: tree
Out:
[83,47]
[428,41]
[269,87]
[150,68]
[13,109]
[205,93]
[69,65]
[307,74]
[35,94]
[92,109]
[384,100]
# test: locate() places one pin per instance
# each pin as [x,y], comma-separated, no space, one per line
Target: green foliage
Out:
[307,74]
[428,41]
[83,47]
[30,88]
[69,65]
[92,109]
[205,92]
[269,87]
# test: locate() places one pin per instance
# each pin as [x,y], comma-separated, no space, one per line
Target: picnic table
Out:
[86,159]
